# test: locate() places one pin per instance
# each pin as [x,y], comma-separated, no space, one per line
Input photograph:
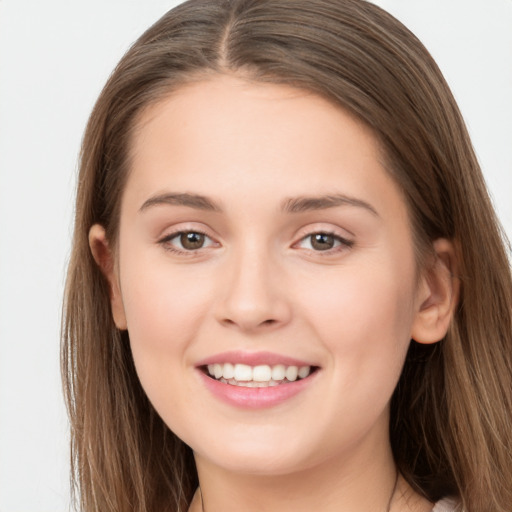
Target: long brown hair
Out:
[451,413]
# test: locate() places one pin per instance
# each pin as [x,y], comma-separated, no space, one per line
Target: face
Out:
[262,241]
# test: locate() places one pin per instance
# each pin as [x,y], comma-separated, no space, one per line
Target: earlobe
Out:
[104,258]
[438,295]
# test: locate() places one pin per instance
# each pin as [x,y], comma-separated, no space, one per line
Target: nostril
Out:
[269,322]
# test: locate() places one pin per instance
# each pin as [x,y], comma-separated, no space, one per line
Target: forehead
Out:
[227,136]
[246,111]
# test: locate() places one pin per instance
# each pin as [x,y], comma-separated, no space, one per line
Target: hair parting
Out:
[451,413]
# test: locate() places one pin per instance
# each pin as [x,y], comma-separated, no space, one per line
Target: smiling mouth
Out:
[260,376]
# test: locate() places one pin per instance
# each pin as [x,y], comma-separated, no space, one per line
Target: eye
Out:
[324,242]
[187,241]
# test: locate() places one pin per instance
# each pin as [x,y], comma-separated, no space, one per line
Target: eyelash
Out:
[344,243]
[166,242]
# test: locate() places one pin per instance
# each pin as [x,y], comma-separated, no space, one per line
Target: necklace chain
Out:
[388,508]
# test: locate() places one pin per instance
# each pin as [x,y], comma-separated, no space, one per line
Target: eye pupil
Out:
[322,241]
[192,240]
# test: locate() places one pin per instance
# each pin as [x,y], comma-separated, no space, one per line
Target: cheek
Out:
[367,298]
[163,308]
[163,303]
[364,318]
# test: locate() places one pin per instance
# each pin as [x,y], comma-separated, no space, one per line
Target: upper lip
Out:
[253,359]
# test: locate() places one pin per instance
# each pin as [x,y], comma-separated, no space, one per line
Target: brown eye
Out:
[322,241]
[191,240]
[187,242]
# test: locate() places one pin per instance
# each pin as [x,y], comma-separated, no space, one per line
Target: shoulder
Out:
[446,505]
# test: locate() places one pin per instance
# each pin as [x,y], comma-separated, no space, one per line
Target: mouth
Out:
[259,376]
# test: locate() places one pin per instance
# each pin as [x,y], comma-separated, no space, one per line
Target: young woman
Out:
[288,289]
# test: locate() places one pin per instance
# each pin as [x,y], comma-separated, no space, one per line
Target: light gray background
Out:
[55,56]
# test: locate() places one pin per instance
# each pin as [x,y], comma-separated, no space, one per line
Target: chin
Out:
[258,457]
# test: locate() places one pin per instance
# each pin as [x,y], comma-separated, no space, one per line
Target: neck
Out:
[363,482]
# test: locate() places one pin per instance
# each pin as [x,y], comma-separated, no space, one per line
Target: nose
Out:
[253,297]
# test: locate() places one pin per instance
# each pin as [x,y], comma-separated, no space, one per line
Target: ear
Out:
[105,260]
[438,295]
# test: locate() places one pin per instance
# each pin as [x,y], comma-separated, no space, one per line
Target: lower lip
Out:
[256,398]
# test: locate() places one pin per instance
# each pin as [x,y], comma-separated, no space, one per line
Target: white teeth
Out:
[261,373]
[250,384]
[291,373]
[278,372]
[217,371]
[304,371]
[258,376]
[228,371]
[243,372]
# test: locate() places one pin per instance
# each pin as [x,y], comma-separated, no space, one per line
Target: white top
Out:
[445,505]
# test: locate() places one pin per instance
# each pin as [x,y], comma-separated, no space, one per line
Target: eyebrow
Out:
[195,201]
[305,204]
[291,205]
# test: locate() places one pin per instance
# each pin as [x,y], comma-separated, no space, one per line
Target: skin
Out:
[258,284]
